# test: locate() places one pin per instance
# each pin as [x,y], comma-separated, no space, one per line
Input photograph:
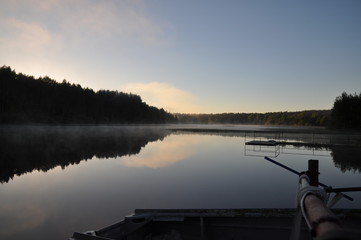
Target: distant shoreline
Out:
[203,128]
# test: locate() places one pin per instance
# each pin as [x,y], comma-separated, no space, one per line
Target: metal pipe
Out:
[312,172]
[298,173]
[347,189]
[281,165]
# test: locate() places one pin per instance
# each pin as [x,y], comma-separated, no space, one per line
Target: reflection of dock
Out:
[274,144]
[263,144]
[295,144]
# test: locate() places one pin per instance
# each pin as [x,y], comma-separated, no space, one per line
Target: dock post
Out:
[313,172]
[202,228]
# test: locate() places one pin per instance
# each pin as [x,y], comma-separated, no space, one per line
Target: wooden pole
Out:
[322,219]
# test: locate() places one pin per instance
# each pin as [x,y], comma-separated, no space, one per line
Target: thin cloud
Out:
[60,37]
[25,36]
[165,96]
[38,5]
[82,19]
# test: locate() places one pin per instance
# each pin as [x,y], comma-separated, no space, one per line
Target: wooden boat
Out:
[252,224]
[210,224]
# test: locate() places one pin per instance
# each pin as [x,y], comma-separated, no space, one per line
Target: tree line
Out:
[345,114]
[24,99]
[302,118]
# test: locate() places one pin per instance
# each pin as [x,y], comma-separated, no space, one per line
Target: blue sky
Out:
[192,56]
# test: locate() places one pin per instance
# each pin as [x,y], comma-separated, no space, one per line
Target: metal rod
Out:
[347,189]
[281,165]
[312,172]
[298,173]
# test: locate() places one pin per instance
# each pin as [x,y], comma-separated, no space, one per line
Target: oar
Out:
[299,173]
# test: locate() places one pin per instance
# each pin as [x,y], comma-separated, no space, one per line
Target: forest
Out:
[302,118]
[24,99]
[345,114]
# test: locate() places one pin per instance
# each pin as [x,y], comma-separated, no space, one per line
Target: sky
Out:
[191,56]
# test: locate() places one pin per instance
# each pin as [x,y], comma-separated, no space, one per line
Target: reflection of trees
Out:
[347,158]
[345,149]
[24,149]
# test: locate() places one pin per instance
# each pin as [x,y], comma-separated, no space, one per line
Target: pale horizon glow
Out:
[163,95]
[192,57]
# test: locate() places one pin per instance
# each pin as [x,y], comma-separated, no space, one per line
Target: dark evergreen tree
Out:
[346,111]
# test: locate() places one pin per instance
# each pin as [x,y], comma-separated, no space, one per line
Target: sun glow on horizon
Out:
[163,95]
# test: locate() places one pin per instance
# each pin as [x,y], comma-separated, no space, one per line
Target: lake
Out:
[56,180]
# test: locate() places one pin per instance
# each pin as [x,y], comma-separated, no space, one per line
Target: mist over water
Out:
[56,180]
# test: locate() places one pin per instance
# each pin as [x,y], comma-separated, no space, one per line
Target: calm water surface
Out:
[57,180]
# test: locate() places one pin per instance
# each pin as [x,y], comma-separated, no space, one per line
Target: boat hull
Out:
[211,224]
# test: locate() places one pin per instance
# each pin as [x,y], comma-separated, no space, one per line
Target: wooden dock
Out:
[263,143]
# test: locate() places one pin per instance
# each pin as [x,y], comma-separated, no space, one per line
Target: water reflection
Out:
[344,149]
[139,167]
[162,154]
[347,158]
[24,149]
[21,216]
